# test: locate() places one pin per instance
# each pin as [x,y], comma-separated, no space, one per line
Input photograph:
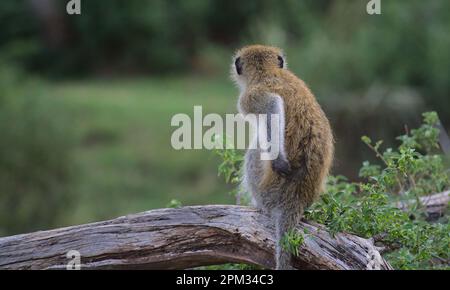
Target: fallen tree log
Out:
[183,238]
[434,205]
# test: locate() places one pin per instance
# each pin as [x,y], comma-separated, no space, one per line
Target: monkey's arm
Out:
[275,106]
[258,102]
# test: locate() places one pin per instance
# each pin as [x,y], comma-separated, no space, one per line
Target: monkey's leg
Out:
[286,219]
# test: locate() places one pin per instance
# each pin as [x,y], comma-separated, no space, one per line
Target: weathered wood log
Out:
[434,205]
[184,238]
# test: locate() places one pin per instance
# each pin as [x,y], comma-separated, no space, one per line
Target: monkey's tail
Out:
[287,218]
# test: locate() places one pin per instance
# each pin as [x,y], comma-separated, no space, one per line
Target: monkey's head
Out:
[253,61]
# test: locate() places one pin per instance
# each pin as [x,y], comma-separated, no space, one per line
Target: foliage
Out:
[291,241]
[174,203]
[36,165]
[408,171]
[231,158]
[367,209]
[231,167]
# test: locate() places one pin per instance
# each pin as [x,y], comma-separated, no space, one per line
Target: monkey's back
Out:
[309,140]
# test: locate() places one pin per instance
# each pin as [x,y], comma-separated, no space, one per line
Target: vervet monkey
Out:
[283,187]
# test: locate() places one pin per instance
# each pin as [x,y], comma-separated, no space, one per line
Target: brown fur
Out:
[308,137]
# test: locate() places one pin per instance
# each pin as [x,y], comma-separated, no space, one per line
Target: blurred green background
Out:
[86,100]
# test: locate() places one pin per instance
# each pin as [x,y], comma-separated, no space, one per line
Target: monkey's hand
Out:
[281,166]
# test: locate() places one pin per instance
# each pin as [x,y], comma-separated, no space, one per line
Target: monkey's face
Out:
[255,60]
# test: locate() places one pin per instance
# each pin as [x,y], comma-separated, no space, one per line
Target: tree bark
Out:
[183,238]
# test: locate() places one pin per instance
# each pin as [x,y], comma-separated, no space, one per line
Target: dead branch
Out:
[182,238]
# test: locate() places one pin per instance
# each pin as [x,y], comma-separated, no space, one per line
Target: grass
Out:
[124,157]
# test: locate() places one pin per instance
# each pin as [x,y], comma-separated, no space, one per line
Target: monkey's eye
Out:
[280,62]
[238,65]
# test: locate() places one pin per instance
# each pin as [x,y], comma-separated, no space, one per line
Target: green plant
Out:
[174,203]
[292,240]
[367,209]
[230,168]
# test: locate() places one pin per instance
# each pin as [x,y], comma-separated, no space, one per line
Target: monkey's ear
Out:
[238,65]
[280,61]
